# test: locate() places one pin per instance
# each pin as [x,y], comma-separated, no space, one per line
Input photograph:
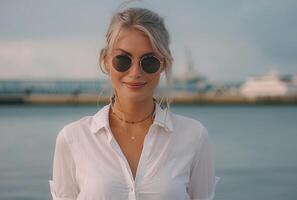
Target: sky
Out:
[229,40]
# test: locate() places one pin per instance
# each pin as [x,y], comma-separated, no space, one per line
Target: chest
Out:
[131,144]
[162,170]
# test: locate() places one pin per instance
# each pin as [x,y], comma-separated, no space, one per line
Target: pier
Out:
[98,92]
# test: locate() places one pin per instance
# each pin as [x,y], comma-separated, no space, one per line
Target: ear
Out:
[163,66]
[103,61]
[106,63]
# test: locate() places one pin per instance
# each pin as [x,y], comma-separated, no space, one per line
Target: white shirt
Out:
[175,164]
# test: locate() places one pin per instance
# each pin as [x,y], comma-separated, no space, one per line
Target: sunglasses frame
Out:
[140,61]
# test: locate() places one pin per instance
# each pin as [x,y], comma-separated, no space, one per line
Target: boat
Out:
[272,84]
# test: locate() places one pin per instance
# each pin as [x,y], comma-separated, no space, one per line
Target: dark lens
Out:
[121,63]
[150,64]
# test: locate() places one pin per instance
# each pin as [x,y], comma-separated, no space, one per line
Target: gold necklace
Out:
[133,122]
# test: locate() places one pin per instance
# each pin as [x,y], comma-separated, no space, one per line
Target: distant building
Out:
[270,85]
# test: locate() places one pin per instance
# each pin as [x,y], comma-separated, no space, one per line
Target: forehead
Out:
[133,41]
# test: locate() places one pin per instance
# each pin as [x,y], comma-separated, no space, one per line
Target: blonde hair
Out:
[153,26]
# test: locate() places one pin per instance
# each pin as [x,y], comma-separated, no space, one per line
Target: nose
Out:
[135,70]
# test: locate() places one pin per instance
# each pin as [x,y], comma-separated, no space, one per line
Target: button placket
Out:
[124,164]
[147,146]
[131,183]
[132,194]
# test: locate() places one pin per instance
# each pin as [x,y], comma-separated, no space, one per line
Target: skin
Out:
[130,100]
[132,104]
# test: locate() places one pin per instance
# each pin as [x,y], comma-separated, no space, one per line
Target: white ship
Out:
[270,85]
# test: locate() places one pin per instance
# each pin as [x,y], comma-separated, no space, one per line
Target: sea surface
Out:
[254,148]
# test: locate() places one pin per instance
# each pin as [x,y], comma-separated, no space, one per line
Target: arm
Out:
[202,177]
[63,186]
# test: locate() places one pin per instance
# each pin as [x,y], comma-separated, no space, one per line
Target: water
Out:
[254,148]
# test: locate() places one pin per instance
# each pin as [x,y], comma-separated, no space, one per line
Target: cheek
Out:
[154,80]
[115,77]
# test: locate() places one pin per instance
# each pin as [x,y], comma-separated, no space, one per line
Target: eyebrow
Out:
[146,54]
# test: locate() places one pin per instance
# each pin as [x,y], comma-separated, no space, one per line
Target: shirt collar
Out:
[100,119]
[162,118]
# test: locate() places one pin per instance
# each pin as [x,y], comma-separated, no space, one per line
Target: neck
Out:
[133,111]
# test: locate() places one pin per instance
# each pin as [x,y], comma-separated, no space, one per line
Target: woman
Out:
[132,148]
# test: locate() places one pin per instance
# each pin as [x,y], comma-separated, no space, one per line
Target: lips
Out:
[135,85]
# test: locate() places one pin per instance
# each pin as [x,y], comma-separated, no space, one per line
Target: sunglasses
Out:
[149,63]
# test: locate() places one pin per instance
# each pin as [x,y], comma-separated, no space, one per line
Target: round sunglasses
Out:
[149,63]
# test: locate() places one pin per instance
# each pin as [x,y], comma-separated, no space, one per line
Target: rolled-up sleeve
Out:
[202,178]
[64,185]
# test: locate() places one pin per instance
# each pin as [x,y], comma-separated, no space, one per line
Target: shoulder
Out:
[188,127]
[82,129]
[76,129]
[182,122]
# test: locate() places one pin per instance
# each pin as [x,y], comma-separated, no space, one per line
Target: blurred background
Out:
[235,70]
